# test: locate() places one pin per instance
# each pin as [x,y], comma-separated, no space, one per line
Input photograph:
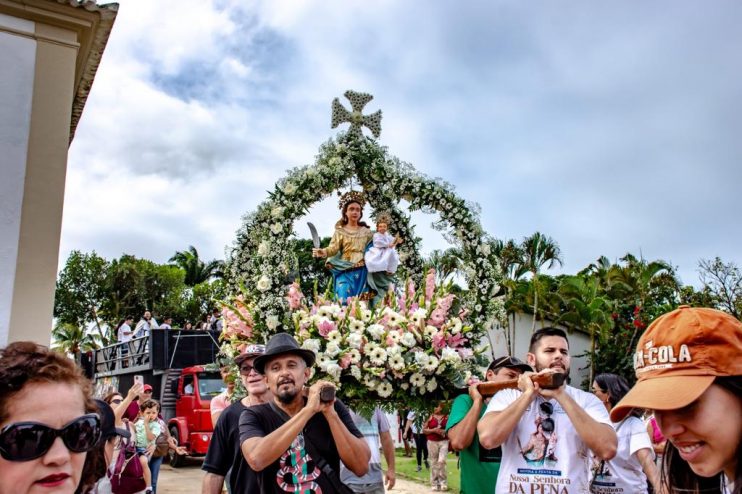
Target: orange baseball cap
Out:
[679,356]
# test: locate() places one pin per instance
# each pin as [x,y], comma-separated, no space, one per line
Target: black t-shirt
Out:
[225,453]
[296,466]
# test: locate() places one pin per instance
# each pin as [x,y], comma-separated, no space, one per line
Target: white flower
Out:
[277,211]
[419,315]
[335,309]
[355,372]
[432,364]
[366,315]
[449,355]
[456,328]
[408,339]
[289,188]
[394,350]
[264,283]
[394,318]
[405,386]
[354,340]
[370,382]
[421,358]
[311,344]
[396,362]
[376,331]
[334,161]
[324,311]
[276,228]
[264,248]
[355,355]
[432,384]
[394,335]
[486,249]
[356,326]
[417,380]
[430,331]
[272,322]
[384,389]
[332,349]
[334,336]
[370,347]
[377,356]
[333,369]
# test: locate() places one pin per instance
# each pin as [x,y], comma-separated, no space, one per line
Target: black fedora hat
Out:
[108,423]
[510,363]
[280,344]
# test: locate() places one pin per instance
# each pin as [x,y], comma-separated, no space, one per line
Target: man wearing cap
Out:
[224,457]
[546,434]
[295,443]
[479,466]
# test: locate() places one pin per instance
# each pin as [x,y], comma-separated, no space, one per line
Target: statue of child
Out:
[383,256]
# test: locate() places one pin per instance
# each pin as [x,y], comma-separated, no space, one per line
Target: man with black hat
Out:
[479,466]
[287,442]
[224,457]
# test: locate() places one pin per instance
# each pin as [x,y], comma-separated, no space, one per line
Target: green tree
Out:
[448,264]
[724,282]
[196,270]
[80,290]
[310,271]
[539,251]
[199,300]
[73,340]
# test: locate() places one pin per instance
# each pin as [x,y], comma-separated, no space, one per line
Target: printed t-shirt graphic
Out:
[538,460]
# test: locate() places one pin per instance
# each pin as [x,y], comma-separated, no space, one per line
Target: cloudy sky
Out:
[610,128]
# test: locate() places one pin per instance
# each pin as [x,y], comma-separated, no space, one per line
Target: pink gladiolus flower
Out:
[430,285]
[389,341]
[445,303]
[439,340]
[463,313]
[345,361]
[411,290]
[456,340]
[402,302]
[437,318]
[325,327]
[465,353]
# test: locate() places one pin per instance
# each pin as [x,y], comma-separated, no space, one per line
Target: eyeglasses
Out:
[246,369]
[548,423]
[147,392]
[24,441]
[117,401]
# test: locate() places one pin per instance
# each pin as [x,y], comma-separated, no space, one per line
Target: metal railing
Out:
[128,356]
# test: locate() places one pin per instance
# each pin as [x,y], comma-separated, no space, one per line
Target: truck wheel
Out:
[176,460]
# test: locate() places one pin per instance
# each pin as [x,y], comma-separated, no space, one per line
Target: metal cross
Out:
[356,118]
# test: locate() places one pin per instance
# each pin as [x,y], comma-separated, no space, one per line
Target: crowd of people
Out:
[125,332]
[289,436]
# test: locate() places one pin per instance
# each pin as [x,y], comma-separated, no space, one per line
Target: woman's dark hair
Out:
[615,387]
[110,396]
[344,221]
[676,474]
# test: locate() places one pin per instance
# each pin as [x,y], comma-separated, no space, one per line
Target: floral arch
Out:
[262,258]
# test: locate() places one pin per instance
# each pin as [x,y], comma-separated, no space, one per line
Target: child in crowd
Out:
[383,255]
[147,428]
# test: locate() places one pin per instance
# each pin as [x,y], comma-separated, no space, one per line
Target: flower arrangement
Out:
[409,350]
[261,257]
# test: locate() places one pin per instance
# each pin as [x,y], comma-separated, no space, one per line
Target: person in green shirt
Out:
[479,466]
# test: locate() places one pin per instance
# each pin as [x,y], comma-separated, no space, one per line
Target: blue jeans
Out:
[154,467]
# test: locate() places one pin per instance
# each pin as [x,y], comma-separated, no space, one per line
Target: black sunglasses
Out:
[246,369]
[117,401]
[24,441]
[548,423]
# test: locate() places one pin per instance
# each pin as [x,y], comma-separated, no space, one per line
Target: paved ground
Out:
[187,480]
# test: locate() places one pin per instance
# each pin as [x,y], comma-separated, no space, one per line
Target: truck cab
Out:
[191,426]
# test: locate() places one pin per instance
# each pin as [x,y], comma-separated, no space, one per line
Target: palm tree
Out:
[196,271]
[447,264]
[586,310]
[73,339]
[539,250]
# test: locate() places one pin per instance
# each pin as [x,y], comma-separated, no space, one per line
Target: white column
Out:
[18,59]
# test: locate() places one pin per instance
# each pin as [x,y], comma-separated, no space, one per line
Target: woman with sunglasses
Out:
[633,464]
[689,368]
[46,421]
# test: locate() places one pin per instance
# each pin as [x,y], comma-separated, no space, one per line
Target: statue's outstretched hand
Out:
[319,253]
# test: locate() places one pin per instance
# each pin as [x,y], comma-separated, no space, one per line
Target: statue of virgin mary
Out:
[345,254]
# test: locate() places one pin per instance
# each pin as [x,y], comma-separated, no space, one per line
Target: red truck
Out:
[173,363]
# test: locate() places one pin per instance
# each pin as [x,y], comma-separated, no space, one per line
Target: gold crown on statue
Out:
[352,196]
[384,217]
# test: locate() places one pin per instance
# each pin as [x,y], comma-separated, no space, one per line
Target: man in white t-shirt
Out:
[546,434]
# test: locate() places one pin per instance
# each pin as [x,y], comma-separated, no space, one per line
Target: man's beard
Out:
[539,367]
[287,396]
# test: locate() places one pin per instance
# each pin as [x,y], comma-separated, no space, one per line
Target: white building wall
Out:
[18,59]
